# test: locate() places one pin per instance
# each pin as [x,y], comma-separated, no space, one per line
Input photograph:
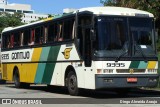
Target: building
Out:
[68,10]
[29,14]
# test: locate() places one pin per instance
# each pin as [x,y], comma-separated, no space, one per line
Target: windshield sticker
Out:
[143,46]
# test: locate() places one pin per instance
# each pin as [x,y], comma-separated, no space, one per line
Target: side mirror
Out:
[92,35]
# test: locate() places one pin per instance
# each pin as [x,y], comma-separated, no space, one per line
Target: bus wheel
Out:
[17,79]
[2,81]
[25,85]
[72,84]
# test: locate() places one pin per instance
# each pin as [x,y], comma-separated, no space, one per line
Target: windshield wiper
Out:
[140,50]
[122,54]
[125,47]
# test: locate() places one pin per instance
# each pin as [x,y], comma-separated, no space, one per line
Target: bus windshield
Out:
[116,34]
[142,35]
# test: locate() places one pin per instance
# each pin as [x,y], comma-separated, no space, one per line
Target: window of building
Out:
[19,11]
[1,9]
[27,11]
[10,10]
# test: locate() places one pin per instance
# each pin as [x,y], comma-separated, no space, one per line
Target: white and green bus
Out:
[91,48]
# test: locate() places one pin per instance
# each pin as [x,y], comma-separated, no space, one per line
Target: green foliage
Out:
[152,6]
[10,20]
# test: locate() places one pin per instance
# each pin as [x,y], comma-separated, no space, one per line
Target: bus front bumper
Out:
[125,80]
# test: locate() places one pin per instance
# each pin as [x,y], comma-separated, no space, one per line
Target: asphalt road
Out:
[60,97]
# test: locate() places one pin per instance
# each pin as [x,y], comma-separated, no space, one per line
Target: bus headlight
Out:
[152,70]
[108,71]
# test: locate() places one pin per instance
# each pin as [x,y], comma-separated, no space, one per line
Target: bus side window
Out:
[68,29]
[51,32]
[21,38]
[55,32]
[11,41]
[60,31]
[16,39]
[38,35]
[80,39]
[8,44]
[32,38]
[45,34]
[6,41]
[26,37]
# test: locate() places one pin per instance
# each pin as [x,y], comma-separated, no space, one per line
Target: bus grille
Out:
[133,70]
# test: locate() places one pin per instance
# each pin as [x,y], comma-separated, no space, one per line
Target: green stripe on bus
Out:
[41,66]
[142,65]
[40,72]
[134,64]
[49,69]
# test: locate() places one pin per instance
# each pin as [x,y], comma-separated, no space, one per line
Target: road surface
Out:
[60,97]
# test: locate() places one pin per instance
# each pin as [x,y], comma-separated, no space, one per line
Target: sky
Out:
[56,6]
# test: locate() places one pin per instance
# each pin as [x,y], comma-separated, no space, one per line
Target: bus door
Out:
[84,34]
[87,46]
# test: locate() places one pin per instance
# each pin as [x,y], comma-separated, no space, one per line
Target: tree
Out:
[152,6]
[10,20]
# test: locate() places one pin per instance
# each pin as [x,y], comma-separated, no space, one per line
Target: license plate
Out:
[131,79]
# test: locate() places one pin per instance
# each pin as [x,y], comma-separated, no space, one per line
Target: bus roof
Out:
[108,10]
[122,11]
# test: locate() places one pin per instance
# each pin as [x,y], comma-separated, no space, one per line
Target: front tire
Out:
[2,81]
[17,82]
[72,84]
